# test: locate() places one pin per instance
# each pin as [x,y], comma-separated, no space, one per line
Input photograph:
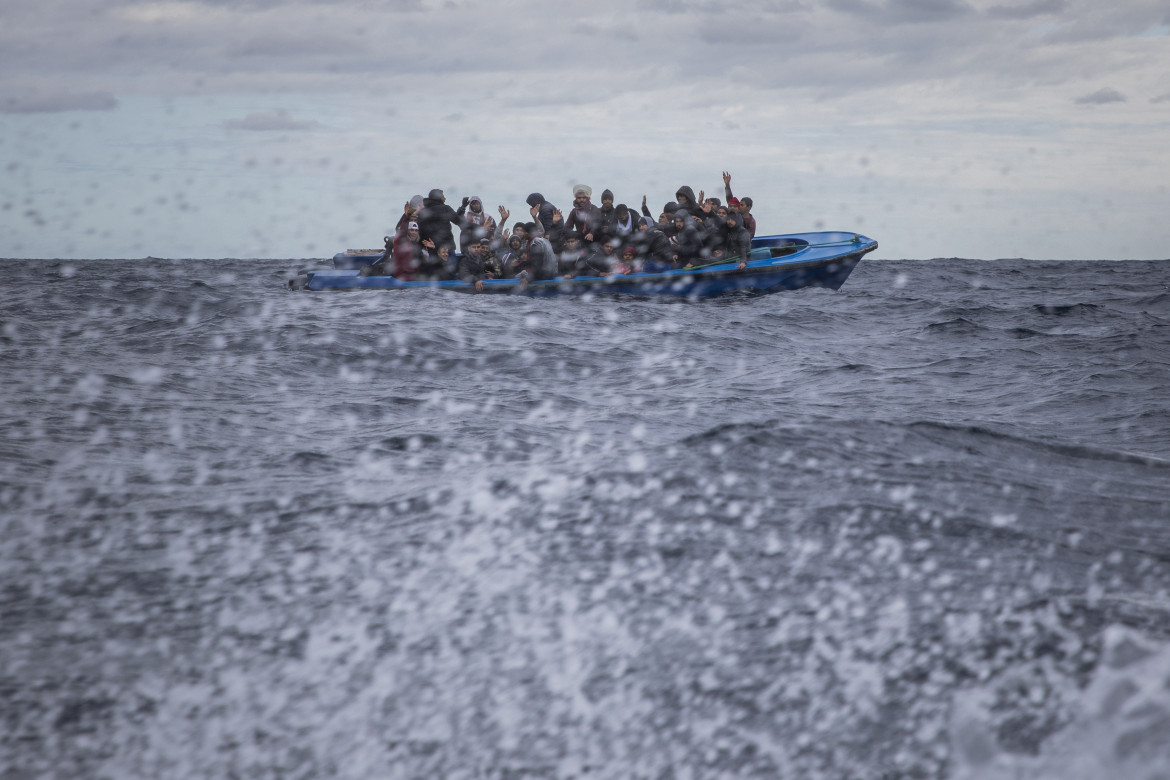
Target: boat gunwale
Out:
[680,277]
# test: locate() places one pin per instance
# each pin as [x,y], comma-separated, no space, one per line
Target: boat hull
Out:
[777,263]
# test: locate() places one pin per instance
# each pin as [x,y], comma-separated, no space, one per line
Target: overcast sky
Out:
[259,128]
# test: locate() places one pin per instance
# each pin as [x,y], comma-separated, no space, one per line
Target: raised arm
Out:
[538,227]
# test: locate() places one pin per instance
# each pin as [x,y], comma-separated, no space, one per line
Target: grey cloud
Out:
[707,7]
[270,120]
[412,49]
[1027,10]
[1161,98]
[64,101]
[902,11]
[1083,20]
[1101,96]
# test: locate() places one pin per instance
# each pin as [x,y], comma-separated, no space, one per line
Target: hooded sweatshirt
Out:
[735,241]
[691,204]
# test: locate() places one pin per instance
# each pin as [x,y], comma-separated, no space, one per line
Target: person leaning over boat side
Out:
[585,217]
[435,219]
[744,205]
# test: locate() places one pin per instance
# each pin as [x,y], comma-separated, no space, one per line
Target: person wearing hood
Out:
[654,249]
[585,217]
[713,231]
[685,197]
[733,239]
[544,213]
[435,219]
[687,241]
[541,260]
[708,213]
[555,229]
[509,254]
[477,221]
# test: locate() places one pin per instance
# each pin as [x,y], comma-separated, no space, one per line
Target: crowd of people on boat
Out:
[591,240]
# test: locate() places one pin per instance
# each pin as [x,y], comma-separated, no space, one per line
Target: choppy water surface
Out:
[919,527]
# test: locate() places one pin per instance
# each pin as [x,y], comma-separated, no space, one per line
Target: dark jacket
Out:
[435,219]
[735,241]
[545,215]
[431,267]
[613,226]
[691,205]
[597,263]
[688,242]
[474,268]
[572,262]
[607,218]
[586,220]
[654,249]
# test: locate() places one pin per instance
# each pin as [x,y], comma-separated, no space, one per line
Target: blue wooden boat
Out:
[776,263]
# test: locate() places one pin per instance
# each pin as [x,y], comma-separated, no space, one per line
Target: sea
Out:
[915,528]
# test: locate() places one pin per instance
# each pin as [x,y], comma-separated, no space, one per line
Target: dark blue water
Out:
[919,527]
